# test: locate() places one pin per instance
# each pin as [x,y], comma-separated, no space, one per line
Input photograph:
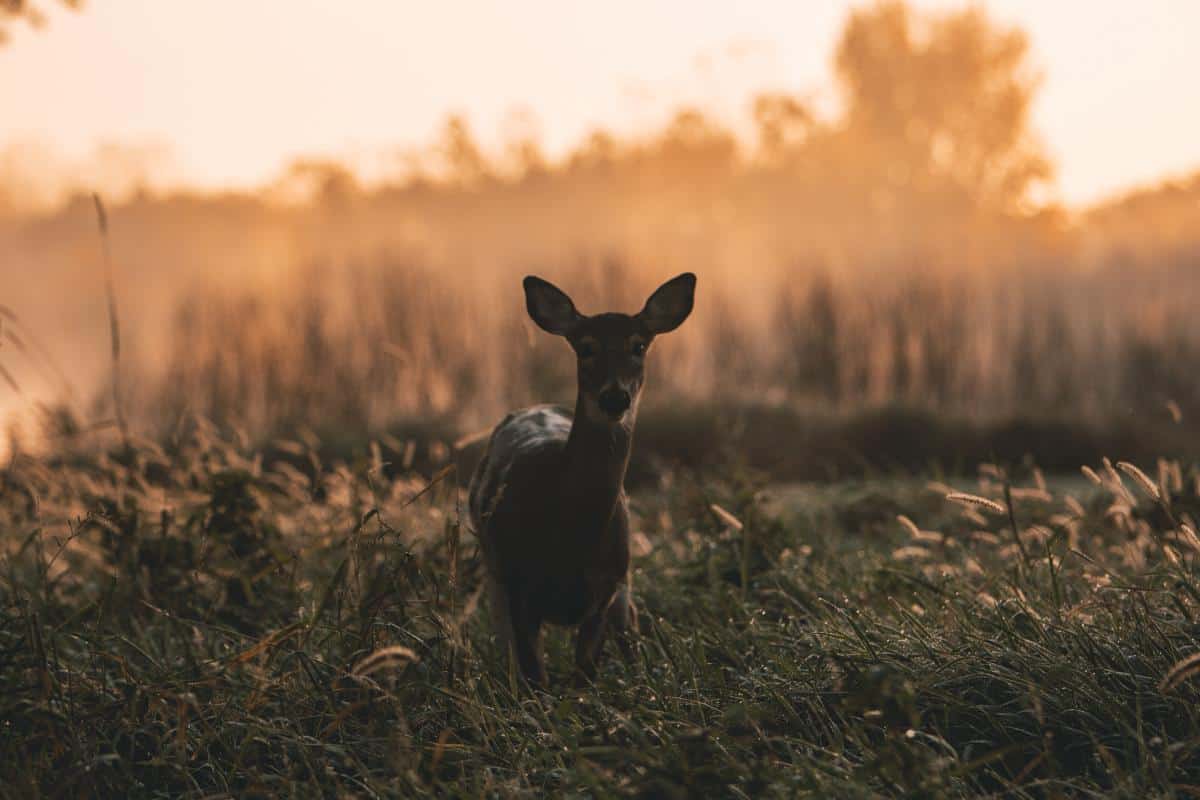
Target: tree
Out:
[12,11]
[783,123]
[464,160]
[946,96]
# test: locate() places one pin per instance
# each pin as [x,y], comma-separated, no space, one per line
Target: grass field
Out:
[235,426]
[194,620]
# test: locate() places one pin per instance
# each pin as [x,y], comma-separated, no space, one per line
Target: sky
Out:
[224,93]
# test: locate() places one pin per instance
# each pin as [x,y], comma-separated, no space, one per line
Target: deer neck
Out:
[596,458]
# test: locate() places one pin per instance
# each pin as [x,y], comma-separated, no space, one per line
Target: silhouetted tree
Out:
[944,98]
[13,10]
[783,121]
[464,159]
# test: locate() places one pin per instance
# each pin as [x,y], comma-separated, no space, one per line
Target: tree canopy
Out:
[946,95]
[12,11]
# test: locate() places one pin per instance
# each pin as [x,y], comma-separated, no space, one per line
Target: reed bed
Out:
[383,342]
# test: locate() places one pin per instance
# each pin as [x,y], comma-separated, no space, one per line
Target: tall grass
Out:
[194,620]
[387,340]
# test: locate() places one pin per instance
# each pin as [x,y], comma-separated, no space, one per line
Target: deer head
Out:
[611,348]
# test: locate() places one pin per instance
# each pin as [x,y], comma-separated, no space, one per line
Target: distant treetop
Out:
[13,10]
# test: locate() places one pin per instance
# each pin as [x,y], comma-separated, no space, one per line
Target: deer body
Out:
[547,501]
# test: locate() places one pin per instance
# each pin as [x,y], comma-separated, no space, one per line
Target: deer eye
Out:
[585,350]
[638,348]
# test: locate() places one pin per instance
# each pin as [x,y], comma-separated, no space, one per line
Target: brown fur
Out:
[548,501]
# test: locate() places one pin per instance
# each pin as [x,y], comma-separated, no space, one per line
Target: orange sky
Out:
[232,90]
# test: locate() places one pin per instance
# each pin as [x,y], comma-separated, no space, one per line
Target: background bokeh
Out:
[900,247]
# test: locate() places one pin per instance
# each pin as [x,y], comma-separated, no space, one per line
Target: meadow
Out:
[915,489]
[196,619]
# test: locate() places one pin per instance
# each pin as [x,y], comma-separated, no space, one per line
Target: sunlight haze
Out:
[224,94]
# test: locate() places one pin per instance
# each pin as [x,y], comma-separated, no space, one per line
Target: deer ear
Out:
[670,304]
[549,306]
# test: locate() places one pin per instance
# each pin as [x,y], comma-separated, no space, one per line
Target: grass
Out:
[180,620]
[205,616]
[358,346]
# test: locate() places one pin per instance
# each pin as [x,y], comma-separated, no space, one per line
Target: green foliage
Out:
[198,619]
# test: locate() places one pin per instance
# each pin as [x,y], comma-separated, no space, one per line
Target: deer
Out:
[547,501]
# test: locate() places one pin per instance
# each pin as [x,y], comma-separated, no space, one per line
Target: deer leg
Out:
[527,641]
[587,646]
[501,616]
[622,618]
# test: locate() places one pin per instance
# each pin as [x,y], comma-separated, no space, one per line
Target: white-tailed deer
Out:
[547,501]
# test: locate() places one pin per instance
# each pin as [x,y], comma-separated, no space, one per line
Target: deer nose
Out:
[614,401]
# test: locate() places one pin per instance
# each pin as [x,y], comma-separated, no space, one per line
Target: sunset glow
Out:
[224,94]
